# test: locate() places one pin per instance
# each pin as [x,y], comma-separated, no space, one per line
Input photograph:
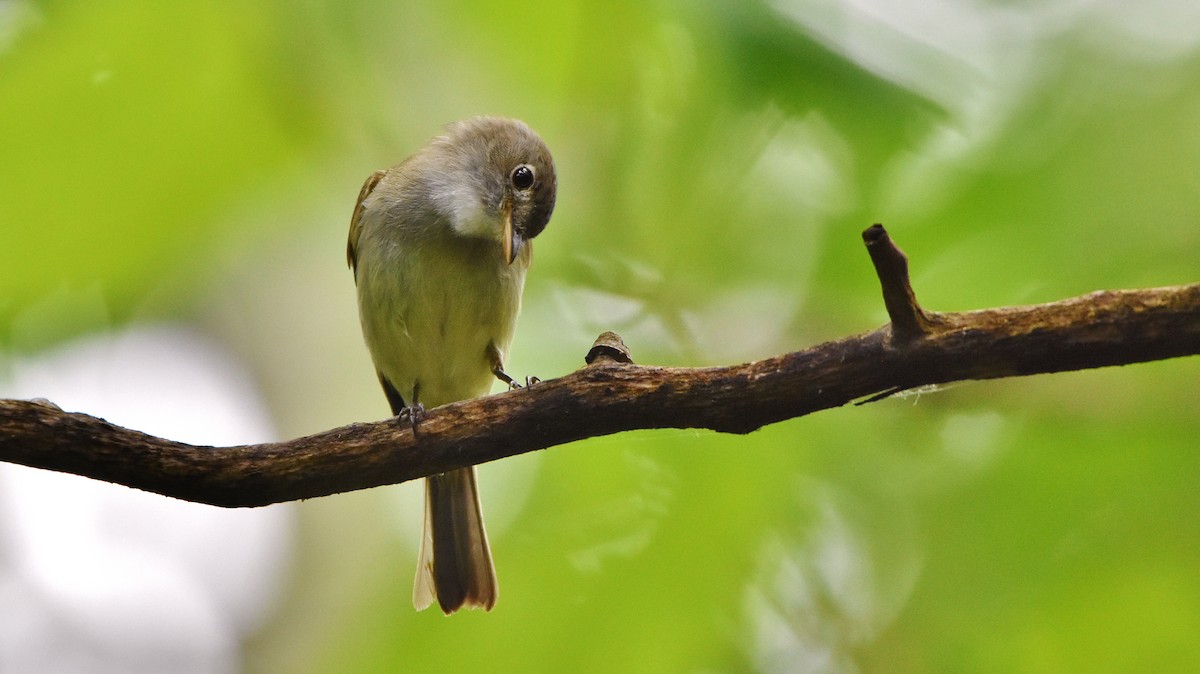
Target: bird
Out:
[439,246]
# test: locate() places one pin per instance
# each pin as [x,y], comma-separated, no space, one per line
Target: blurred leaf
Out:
[126,133]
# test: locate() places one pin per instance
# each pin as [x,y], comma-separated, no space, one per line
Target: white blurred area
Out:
[96,577]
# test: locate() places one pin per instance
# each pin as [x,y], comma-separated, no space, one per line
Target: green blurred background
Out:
[197,163]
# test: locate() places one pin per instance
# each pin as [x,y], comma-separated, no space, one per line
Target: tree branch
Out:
[612,394]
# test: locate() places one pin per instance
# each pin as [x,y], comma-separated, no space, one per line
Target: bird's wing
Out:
[356,219]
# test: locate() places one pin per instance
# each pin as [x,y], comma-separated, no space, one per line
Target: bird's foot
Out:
[512,383]
[504,377]
[498,371]
[411,415]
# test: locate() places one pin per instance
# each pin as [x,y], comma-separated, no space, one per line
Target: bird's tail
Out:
[455,563]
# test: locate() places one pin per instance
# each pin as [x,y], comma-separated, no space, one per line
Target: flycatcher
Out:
[439,246]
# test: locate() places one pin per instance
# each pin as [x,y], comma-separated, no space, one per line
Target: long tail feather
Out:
[455,562]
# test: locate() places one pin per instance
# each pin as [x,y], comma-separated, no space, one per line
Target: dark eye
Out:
[522,177]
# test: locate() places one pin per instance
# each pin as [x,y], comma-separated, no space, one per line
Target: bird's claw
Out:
[498,370]
[529,381]
[411,414]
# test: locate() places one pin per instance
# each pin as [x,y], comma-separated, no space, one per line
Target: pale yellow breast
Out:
[429,312]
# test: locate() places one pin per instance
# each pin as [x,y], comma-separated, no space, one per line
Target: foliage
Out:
[197,162]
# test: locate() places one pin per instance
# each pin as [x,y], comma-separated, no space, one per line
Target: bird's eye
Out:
[522,177]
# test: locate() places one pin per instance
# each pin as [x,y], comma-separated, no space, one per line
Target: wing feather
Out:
[356,219]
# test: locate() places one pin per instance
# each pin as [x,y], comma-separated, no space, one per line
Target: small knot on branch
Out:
[608,348]
[909,321]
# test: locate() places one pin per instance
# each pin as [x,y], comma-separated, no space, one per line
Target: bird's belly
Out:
[436,361]
[430,333]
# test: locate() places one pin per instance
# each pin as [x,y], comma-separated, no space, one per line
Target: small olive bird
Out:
[439,246]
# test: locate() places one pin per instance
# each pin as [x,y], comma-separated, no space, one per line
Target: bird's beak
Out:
[512,238]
